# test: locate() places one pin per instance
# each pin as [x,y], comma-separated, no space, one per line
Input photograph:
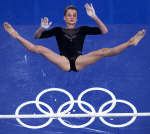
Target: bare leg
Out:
[91,58]
[56,59]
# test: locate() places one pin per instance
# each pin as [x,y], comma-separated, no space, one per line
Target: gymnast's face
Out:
[71,17]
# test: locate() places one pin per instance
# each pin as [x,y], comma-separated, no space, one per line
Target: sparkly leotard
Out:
[70,41]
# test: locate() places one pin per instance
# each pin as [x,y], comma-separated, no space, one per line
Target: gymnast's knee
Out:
[36,49]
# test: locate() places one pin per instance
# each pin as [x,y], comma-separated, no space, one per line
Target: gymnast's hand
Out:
[90,10]
[44,23]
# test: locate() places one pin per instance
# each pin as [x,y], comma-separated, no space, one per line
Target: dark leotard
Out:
[70,41]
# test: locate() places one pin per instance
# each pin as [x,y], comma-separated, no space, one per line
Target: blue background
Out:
[110,11]
[23,74]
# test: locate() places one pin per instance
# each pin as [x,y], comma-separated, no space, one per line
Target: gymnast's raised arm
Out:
[91,12]
[45,24]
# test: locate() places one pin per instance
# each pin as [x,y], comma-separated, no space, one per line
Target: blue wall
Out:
[111,11]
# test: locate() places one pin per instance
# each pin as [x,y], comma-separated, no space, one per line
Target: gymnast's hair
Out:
[69,7]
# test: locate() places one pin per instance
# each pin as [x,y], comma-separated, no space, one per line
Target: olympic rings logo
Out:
[80,103]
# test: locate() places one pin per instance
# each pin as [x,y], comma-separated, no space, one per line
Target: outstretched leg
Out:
[91,58]
[58,60]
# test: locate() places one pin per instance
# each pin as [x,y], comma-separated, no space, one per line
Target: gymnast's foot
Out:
[136,38]
[8,28]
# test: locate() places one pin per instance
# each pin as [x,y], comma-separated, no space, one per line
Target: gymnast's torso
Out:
[70,41]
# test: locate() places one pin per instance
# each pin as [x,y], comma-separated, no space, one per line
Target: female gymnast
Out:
[70,41]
